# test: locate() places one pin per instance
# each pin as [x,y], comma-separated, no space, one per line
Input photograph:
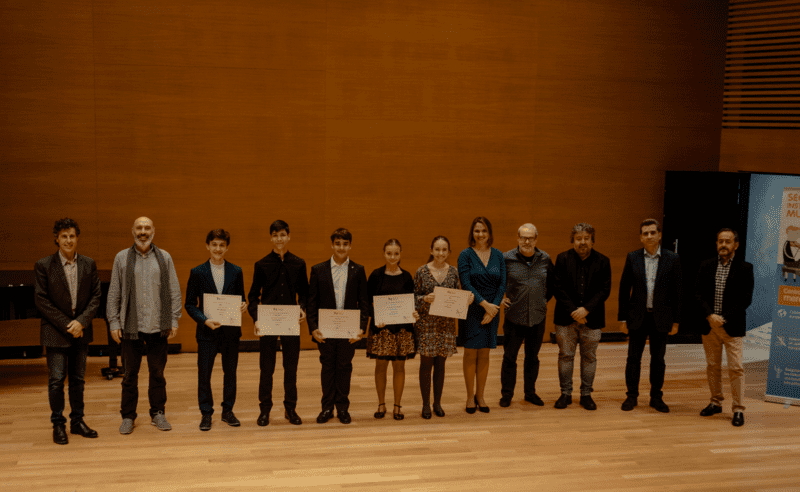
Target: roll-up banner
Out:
[783,382]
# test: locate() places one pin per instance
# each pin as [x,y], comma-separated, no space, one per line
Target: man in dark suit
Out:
[649,307]
[724,290]
[67,294]
[215,276]
[337,283]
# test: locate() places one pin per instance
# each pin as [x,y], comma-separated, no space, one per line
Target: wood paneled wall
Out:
[394,119]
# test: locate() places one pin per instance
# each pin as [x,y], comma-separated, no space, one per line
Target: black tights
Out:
[437,365]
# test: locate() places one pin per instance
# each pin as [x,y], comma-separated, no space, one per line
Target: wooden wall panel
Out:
[761,151]
[46,127]
[394,119]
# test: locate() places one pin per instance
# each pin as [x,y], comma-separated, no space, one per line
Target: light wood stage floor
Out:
[523,447]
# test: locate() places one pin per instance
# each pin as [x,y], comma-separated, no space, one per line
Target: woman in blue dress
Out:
[483,272]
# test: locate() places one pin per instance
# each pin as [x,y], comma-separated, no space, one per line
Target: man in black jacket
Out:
[724,290]
[581,286]
[67,294]
[338,283]
[649,307]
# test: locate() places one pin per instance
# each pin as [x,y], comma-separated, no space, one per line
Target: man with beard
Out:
[144,306]
[582,283]
[528,280]
[723,290]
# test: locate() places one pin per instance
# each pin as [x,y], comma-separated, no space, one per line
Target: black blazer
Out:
[373,286]
[666,293]
[736,297]
[201,281]
[565,288]
[322,296]
[54,302]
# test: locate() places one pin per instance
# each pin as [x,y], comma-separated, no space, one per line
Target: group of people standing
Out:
[144,306]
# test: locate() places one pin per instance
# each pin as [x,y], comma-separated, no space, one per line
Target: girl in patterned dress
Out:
[435,335]
[390,342]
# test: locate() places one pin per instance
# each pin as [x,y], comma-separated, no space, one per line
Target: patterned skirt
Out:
[385,345]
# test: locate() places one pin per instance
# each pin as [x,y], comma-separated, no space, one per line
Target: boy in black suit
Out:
[67,294]
[337,283]
[215,276]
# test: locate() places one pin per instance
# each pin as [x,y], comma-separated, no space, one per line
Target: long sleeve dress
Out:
[436,336]
[486,283]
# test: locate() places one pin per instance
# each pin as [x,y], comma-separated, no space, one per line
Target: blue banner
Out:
[783,382]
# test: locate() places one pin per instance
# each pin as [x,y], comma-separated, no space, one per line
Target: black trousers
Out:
[268,348]
[62,363]
[207,351]
[513,336]
[336,357]
[658,349]
[154,345]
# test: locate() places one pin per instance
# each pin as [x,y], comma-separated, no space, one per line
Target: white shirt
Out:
[218,272]
[339,275]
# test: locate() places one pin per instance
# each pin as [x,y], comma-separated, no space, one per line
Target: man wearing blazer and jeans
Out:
[338,283]
[649,307]
[67,294]
[215,276]
[724,290]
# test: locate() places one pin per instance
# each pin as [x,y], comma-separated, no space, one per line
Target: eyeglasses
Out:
[527,239]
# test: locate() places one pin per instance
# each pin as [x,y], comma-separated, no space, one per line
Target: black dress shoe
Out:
[563,401]
[482,409]
[711,409]
[426,412]
[587,403]
[344,417]
[82,429]
[292,417]
[263,419]
[60,434]
[324,416]
[471,410]
[505,401]
[438,410]
[738,419]
[535,400]
[659,405]
[629,403]
[205,423]
[230,419]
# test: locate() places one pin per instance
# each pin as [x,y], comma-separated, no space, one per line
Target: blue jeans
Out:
[568,337]
[63,362]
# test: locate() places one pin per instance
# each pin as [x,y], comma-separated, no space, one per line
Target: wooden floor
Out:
[523,447]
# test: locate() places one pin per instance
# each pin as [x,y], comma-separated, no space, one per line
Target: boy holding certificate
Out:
[279,280]
[222,283]
[337,290]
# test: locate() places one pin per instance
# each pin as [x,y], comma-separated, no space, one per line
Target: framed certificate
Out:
[278,320]
[340,323]
[449,303]
[225,309]
[394,309]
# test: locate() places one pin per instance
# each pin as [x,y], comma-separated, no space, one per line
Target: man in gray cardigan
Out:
[144,306]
